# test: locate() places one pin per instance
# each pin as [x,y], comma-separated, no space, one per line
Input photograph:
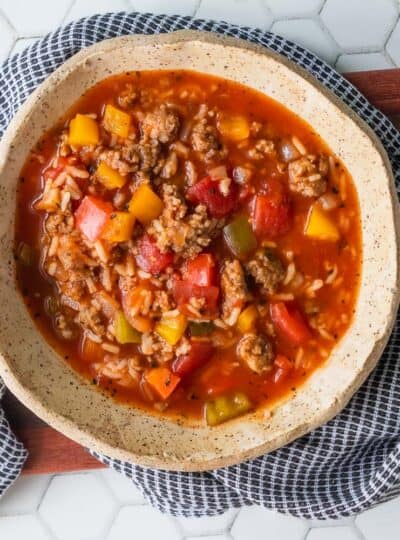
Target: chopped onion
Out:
[288,151]
[108,304]
[70,302]
[185,131]
[217,173]
[241,175]
[25,254]
[222,339]
[51,305]
[329,201]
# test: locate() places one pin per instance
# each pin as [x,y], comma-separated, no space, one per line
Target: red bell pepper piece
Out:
[184,289]
[201,270]
[163,381]
[150,258]
[271,212]
[207,191]
[91,216]
[200,352]
[289,323]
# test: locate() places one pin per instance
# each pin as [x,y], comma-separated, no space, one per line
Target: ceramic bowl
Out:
[48,386]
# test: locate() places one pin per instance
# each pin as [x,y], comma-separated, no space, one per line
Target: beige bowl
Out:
[48,386]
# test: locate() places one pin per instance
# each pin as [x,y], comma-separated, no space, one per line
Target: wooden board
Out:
[49,450]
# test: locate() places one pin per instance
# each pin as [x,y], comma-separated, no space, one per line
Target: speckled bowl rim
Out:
[84,434]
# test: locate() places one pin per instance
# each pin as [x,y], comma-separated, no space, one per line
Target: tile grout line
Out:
[196,8]
[357,531]
[117,504]
[319,11]
[68,11]
[384,49]
[8,21]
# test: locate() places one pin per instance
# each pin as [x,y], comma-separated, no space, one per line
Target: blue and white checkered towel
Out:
[342,468]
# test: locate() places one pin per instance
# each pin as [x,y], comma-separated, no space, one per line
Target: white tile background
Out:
[101,505]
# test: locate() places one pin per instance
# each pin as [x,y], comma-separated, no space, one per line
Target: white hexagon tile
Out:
[101,505]
[77,506]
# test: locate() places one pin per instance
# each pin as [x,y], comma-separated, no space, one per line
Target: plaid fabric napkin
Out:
[12,453]
[342,468]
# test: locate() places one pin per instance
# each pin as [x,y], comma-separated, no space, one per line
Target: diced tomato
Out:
[289,323]
[150,258]
[271,211]
[200,352]
[132,299]
[201,270]
[216,379]
[283,362]
[90,351]
[92,216]
[184,289]
[207,191]
[284,367]
[245,192]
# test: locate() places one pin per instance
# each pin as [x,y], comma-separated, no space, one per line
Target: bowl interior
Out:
[47,385]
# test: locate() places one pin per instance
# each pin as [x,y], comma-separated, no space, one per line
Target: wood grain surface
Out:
[49,450]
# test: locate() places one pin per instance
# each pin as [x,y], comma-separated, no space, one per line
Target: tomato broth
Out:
[187,244]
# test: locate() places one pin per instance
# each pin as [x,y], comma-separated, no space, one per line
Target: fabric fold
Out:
[12,452]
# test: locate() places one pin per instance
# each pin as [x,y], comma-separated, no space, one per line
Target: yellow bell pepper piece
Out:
[110,178]
[119,228]
[235,128]
[124,333]
[171,328]
[116,121]
[145,205]
[247,319]
[83,131]
[320,226]
[225,408]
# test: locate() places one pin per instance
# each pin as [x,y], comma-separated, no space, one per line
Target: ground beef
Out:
[126,283]
[234,291]
[308,175]
[256,351]
[128,96]
[90,317]
[180,230]
[190,173]
[59,224]
[106,303]
[266,269]
[262,148]
[130,153]
[170,166]
[204,138]
[156,348]
[114,159]
[162,125]
[162,302]
[73,289]
[70,266]
[149,156]
[72,256]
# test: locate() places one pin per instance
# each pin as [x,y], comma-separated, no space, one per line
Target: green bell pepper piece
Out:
[225,408]
[199,329]
[124,333]
[239,237]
